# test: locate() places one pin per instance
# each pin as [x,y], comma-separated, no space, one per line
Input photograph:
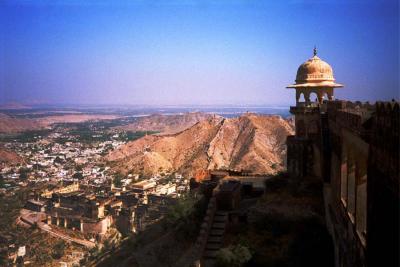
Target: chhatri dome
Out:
[315,76]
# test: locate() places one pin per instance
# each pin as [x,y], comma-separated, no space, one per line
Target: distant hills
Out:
[166,124]
[252,142]
[9,124]
[187,142]
[14,105]
[13,125]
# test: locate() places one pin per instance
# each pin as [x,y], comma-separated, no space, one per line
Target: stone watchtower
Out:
[314,81]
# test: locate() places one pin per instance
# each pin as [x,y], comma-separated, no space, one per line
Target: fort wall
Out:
[357,150]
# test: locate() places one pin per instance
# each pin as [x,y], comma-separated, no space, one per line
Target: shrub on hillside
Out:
[233,256]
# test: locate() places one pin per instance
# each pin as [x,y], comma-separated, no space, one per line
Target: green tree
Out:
[58,160]
[94,252]
[77,175]
[1,181]
[42,258]
[3,259]
[233,256]
[181,210]
[117,180]
[58,250]
[23,173]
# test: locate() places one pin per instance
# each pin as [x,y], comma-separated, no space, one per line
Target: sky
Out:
[184,52]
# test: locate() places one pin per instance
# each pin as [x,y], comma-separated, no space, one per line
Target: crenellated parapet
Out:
[353,116]
[357,107]
[387,108]
[385,143]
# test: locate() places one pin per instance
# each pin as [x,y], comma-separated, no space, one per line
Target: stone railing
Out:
[384,145]
[350,115]
[304,109]
[348,105]
[205,228]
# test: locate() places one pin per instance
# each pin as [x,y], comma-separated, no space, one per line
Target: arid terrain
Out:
[73,118]
[10,124]
[166,124]
[13,125]
[250,142]
[8,156]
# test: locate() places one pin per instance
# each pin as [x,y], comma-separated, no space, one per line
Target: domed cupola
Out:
[315,76]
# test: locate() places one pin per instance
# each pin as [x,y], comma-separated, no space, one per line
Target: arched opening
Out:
[314,97]
[301,98]
[328,96]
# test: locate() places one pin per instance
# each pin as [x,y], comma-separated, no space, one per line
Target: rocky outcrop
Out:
[9,157]
[10,124]
[166,124]
[251,142]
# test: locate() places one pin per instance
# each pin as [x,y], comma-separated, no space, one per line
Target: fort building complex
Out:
[354,149]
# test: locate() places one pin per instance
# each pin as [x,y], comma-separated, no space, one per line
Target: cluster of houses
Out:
[46,160]
[93,209]
[79,192]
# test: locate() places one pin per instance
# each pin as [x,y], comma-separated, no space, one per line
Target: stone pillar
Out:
[297,96]
[351,186]
[58,221]
[361,198]
[329,93]
[65,223]
[320,95]
[343,175]
[81,225]
[307,97]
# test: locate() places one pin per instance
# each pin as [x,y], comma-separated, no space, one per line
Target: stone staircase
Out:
[215,238]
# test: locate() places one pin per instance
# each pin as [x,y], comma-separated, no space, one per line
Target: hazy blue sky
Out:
[192,52]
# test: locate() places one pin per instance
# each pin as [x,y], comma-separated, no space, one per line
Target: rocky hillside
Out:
[10,124]
[13,125]
[73,118]
[252,142]
[166,124]
[7,156]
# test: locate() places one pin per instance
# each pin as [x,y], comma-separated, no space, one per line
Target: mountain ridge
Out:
[253,142]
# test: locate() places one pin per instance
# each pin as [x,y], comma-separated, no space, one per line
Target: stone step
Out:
[218,225]
[221,213]
[210,254]
[208,263]
[217,232]
[213,246]
[220,218]
[215,239]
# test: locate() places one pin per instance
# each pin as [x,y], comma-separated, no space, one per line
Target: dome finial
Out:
[315,50]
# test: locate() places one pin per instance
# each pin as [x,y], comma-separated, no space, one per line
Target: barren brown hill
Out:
[7,156]
[13,125]
[73,118]
[167,124]
[10,124]
[252,142]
